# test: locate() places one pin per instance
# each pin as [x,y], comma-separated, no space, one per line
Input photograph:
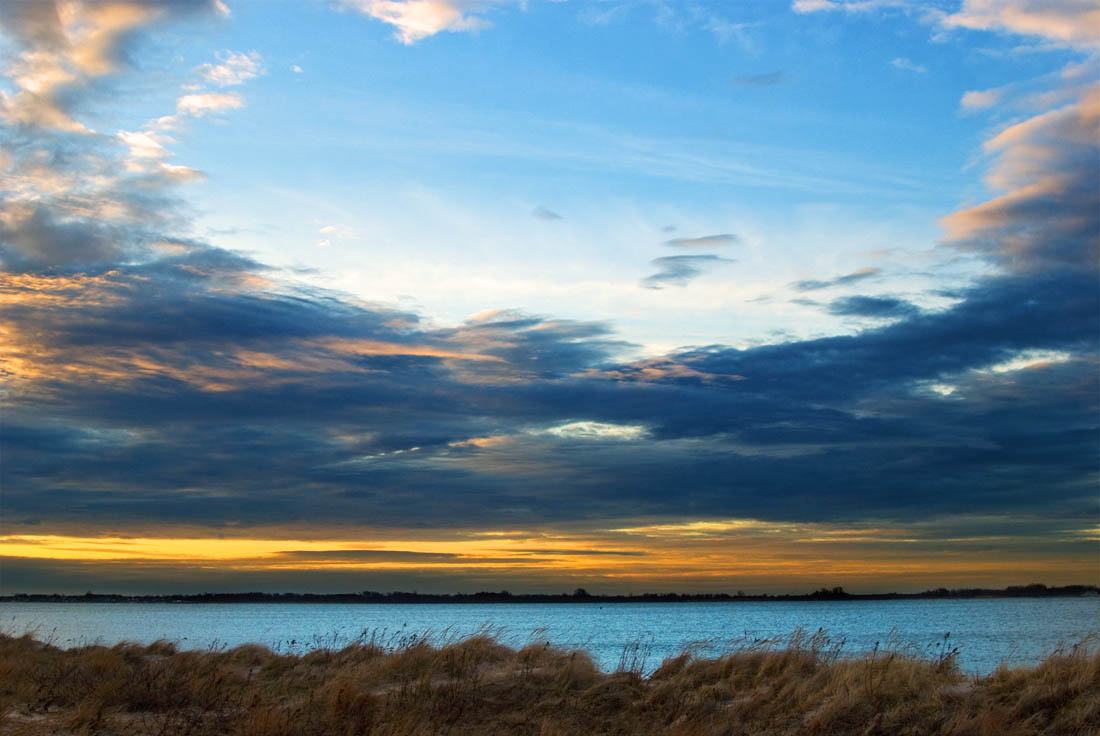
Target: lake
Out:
[987,632]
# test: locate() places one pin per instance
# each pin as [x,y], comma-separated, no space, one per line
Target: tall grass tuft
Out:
[404,685]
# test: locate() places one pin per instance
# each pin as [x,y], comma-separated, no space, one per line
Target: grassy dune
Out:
[478,686]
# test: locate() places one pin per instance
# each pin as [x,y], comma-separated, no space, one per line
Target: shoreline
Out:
[580,596]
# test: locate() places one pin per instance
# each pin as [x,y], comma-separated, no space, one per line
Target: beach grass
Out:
[801,684]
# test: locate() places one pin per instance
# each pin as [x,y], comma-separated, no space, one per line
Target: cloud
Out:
[60,49]
[706,241]
[133,356]
[200,105]
[418,19]
[908,65]
[679,270]
[586,552]
[597,431]
[848,6]
[850,278]
[235,68]
[219,398]
[335,233]
[1073,22]
[1069,22]
[364,555]
[725,30]
[152,378]
[872,306]
[1046,215]
[143,144]
[543,213]
[980,99]
[766,79]
[812,6]
[71,200]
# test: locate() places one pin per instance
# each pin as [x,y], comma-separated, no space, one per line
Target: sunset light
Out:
[626,296]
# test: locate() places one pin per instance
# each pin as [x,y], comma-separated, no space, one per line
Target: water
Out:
[987,632]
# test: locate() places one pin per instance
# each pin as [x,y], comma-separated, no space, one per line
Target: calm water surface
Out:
[987,632]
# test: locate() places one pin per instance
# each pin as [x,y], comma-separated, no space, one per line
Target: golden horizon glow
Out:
[693,551]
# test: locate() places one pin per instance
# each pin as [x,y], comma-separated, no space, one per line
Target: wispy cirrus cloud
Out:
[848,278]
[766,79]
[545,213]
[705,241]
[908,65]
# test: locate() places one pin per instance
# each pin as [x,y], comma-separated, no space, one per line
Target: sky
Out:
[459,295]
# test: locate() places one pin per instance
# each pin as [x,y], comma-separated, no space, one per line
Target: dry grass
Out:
[477,686]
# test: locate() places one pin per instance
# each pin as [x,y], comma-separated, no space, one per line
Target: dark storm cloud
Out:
[679,270]
[871,306]
[1000,317]
[183,389]
[828,428]
[812,431]
[545,347]
[850,278]
[152,396]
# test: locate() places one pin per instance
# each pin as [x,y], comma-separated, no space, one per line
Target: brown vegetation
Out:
[478,686]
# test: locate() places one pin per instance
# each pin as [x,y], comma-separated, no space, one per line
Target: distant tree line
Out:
[580,595]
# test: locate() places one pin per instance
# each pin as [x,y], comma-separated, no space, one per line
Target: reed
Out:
[475,685]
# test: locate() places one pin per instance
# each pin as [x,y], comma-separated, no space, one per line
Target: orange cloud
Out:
[75,42]
[1045,164]
[1075,22]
